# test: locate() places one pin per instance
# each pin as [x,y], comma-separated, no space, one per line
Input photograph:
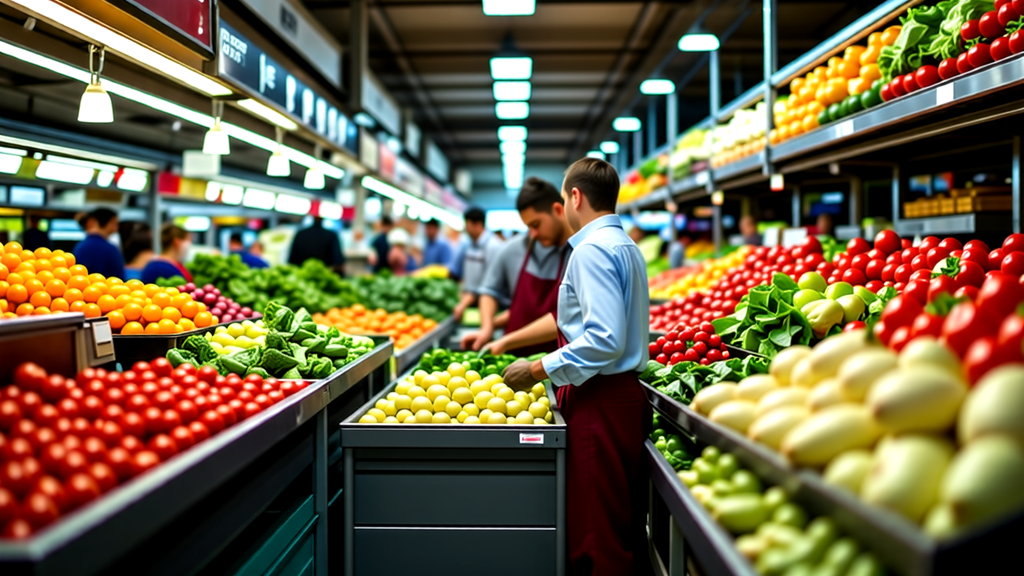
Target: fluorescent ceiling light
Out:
[510,133]
[104,178]
[610,147]
[515,68]
[260,199]
[133,180]
[511,110]
[513,147]
[100,35]
[159,104]
[216,141]
[596,154]
[513,158]
[278,166]
[196,224]
[657,86]
[268,114]
[292,204]
[314,179]
[512,90]
[212,191]
[48,170]
[513,181]
[84,163]
[413,212]
[330,210]
[509,7]
[13,151]
[626,124]
[95,106]
[404,199]
[231,194]
[365,120]
[10,164]
[394,144]
[699,43]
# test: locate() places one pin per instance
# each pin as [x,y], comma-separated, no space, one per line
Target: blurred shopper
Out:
[526,274]
[320,243]
[636,234]
[438,251]
[823,225]
[138,251]
[399,261]
[237,246]
[175,243]
[748,228]
[33,237]
[96,252]
[378,258]
[459,245]
[483,249]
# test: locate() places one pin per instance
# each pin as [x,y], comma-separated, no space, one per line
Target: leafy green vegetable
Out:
[683,380]
[429,297]
[765,319]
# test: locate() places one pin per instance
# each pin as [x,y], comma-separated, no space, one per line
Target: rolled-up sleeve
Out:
[595,282]
[496,282]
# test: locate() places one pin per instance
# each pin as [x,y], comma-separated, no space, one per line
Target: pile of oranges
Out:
[50,282]
[356,319]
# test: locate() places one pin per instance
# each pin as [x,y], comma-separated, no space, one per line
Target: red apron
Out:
[608,418]
[533,298]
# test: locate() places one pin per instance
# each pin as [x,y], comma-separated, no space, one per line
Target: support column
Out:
[896,186]
[154,216]
[795,218]
[320,495]
[771,57]
[638,147]
[716,99]
[856,201]
[359,34]
[1016,185]
[652,125]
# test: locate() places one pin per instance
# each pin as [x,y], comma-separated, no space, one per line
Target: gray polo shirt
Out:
[503,274]
[477,257]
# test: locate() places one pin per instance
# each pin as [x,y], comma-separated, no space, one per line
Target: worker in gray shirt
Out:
[483,249]
[528,270]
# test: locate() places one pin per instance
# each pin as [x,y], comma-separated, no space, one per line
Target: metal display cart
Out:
[179,517]
[901,546]
[420,488]
[63,343]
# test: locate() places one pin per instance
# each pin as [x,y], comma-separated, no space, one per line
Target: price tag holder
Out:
[102,338]
[844,129]
[531,438]
[945,94]
[702,178]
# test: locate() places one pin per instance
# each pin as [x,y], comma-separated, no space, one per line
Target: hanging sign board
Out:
[191,22]
[295,25]
[436,162]
[408,178]
[386,160]
[243,62]
[380,105]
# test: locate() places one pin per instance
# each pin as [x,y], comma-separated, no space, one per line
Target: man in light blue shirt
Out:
[437,250]
[602,324]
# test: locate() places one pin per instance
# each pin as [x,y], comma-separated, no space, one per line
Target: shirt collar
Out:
[595,225]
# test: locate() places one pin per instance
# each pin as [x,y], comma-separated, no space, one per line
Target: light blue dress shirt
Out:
[603,306]
[437,252]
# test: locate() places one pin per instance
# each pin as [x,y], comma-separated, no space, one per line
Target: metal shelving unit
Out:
[252,461]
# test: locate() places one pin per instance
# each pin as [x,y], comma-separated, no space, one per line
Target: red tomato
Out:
[875,270]
[855,277]
[30,376]
[999,296]
[94,448]
[909,83]
[39,510]
[92,407]
[989,25]
[213,421]
[252,409]
[133,424]
[971,274]
[8,505]
[901,311]
[104,476]
[1000,48]
[857,246]
[855,325]
[976,255]
[947,68]
[228,413]
[1016,42]
[144,460]
[969,292]
[120,461]
[860,261]
[969,30]
[936,255]
[264,401]
[208,374]
[68,408]
[14,478]
[54,388]
[276,395]
[182,437]
[170,420]
[149,389]
[161,366]
[982,356]
[199,431]
[254,379]
[111,433]
[187,410]
[920,290]
[52,456]
[81,488]
[896,87]
[887,241]
[163,445]
[965,324]
[47,415]
[874,285]
[1013,264]
[900,338]
[1006,14]
[75,461]
[886,92]
[50,486]
[1010,338]
[963,65]
[979,55]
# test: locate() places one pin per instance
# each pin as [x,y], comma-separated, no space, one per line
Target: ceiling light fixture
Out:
[700,42]
[330,210]
[314,179]
[513,147]
[133,180]
[610,147]
[260,199]
[512,133]
[511,110]
[626,124]
[278,166]
[513,159]
[596,154]
[657,87]
[95,107]
[289,204]
[216,141]
[49,170]
[268,114]
[10,164]
[231,194]
[511,68]
[78,24]
[365,120]
[509,90]
[509,7]
[403,198]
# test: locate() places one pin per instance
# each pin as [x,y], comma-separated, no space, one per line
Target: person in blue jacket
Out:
[96,252]
[236,246]
[175,242]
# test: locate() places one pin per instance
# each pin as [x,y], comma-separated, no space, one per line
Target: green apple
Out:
[806,296]
[866,295]
[812,281]
[838,290]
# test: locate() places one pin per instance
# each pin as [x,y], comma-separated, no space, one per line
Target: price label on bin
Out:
[531,438]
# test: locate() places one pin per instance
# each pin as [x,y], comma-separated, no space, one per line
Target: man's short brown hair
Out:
[597,180]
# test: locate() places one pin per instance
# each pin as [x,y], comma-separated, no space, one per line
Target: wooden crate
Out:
[984,203]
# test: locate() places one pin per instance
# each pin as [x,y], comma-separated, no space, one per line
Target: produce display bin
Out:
[410,356]
[134,347]
[63,343]
[176,518]
[392,470]
[901,546]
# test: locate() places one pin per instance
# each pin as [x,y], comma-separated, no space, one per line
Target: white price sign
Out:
[844,129]
[944,94]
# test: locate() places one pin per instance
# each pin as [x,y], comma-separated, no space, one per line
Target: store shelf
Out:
[705,539]
[741,167]
[691,183]
[410,356]
[991,78]
[656,198]
[959,224]
[87,540]
[752,96]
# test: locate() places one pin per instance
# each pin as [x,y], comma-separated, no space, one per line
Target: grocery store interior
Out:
[359,287]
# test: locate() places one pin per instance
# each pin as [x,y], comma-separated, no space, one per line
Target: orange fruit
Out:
[106,303]
[78,282]
[186,325]
[41,311]
[78,270]
[139,295]
[39,299]
[26,267]
[117,320]
[96,277]
[25,309]
[59,305]
[151,289]
[11,261]
[3,303]
[62,274]
[73,295]
[4,272]
[118,290]
[58,261]
[15,278]
[42,252]
[132,328]
[173,314]
[44,276]
[152,313]
[189,309]
[69,257]
[179,300]
[43,265]
[12,245]
[92,311]
[123,300]
[168,326]
[55,288]
[77,306]
[132,311]
[134,284]
[92,293]
[203,319]
[34,286]
[162,299]
[114,281]
[202,307]
[171,290]
[17,294]
[153,328]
